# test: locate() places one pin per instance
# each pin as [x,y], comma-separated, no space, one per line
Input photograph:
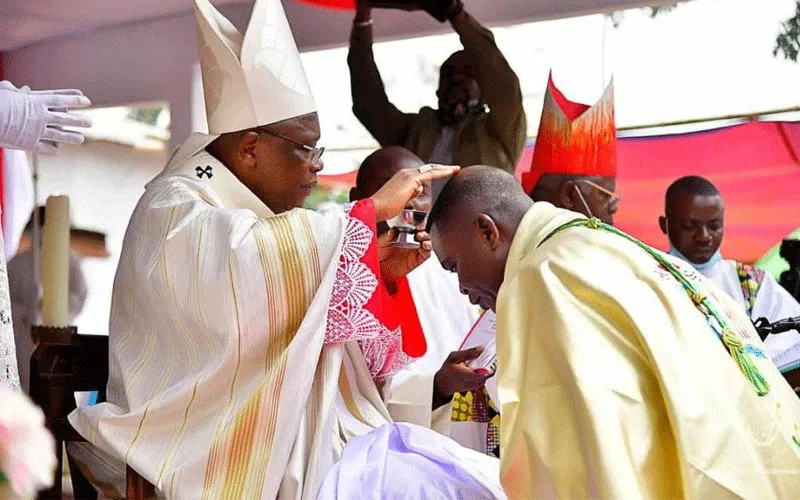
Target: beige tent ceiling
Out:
[25,22]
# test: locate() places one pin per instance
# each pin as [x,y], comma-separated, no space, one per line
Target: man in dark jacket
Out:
[462,131]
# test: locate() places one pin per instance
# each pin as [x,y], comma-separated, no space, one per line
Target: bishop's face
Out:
[287,162]
[474,250]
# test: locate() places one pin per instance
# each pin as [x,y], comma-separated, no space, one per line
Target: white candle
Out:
[55,262]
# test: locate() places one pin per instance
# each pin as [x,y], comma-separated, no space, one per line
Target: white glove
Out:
[33,120]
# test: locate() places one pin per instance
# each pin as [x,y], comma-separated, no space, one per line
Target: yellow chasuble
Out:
[227,379]
[614,385]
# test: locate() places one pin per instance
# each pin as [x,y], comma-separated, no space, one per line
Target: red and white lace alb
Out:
[353,314]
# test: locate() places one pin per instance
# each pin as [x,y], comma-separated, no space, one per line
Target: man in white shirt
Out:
[31,120]
[694,223]
[26,298]
[427,300]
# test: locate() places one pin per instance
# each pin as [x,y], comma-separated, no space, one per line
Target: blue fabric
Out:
[404,461]
[713,261]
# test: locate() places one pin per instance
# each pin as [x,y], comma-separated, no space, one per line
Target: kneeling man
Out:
[622,372]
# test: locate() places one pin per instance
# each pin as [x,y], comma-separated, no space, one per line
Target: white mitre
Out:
[251,80]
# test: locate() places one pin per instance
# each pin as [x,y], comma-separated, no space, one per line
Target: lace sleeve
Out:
[355,311]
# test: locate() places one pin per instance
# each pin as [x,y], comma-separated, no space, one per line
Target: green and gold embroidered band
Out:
[729,338]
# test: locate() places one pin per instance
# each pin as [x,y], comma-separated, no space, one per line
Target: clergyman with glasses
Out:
[574,162]
[246,333]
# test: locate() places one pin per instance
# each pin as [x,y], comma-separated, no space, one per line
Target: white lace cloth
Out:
[348,317]
[8,351]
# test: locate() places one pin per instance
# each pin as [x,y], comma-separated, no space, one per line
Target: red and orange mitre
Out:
[574,138]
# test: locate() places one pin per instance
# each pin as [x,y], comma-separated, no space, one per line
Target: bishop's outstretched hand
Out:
[404,186]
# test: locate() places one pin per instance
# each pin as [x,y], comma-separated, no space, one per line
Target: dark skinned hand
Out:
[455,376]
[398,262]
[438,9]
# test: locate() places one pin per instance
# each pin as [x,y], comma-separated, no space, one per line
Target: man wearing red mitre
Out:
[574,162]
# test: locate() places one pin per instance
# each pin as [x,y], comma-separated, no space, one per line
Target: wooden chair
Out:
[63,363]
[793,377]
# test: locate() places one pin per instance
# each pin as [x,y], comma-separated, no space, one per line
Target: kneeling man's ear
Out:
[489,231]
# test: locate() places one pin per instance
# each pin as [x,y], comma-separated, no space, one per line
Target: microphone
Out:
[764,327]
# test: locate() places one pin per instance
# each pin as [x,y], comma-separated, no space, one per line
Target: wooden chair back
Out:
[62,364]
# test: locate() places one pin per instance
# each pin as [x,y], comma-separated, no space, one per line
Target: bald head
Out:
[472,225]
[479,189]
[379,167]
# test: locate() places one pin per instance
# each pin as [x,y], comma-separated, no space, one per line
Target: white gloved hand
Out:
[33,120]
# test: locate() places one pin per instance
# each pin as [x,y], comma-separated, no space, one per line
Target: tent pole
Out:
[36,229]
[751,116]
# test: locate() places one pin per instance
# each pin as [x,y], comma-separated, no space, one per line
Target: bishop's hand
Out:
[404,186]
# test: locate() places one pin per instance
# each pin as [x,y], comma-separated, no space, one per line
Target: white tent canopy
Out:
[126,51]
[25,22]
[706,58]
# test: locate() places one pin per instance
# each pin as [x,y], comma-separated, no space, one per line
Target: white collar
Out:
[193,162]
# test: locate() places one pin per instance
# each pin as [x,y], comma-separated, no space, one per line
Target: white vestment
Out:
[406,462]
[615,381]
[234,367]
[771,301]
[446,317]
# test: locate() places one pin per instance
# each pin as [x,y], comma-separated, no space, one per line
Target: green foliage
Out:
[143,115]
[655,11]
[617,17]
[323,194]
[788,41]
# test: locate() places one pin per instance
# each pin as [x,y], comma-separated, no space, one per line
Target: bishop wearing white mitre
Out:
[245,333]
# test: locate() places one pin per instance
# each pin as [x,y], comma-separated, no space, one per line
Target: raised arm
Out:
[387,124]
[498,83]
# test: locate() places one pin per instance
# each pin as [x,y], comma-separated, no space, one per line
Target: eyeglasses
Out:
[613,198]
[315,154]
